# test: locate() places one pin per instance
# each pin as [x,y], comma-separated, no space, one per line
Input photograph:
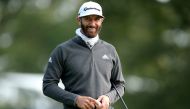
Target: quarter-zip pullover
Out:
[83,71]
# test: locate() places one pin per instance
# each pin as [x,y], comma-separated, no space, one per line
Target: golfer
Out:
[87,66]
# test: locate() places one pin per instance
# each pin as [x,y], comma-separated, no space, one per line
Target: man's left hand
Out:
[104,100]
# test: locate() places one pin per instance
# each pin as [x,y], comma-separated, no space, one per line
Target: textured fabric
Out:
[83,71]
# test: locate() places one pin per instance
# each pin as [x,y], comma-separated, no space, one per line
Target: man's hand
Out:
[104,100]
[85,102]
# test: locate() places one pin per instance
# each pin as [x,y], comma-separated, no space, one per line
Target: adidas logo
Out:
[105,57]
[50,60]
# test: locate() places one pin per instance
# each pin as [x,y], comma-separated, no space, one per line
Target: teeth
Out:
[91,29]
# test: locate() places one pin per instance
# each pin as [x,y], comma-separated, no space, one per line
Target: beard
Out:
[90,34]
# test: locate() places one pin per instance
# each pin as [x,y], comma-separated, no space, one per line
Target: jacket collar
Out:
[90,42]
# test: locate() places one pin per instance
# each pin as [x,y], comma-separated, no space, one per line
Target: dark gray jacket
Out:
[83,71]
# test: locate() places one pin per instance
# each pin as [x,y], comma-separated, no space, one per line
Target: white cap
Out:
[90,8]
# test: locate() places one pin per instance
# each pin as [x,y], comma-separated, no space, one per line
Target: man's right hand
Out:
[85,102]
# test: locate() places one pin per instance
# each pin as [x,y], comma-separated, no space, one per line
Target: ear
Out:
[79,20]
[102,19]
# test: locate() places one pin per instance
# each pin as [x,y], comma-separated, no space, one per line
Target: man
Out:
[87,66]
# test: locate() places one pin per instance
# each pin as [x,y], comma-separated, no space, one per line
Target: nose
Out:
[92,22]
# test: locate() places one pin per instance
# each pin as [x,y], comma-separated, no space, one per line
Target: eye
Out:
[98,18]
[93,18]
[87,18]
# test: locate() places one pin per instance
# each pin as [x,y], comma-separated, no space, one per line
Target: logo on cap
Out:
[85,9]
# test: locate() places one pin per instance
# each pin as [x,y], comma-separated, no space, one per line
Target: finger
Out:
[105,103]
[87,106]
[97,102]
[91,105]
[92,100]
[100,98]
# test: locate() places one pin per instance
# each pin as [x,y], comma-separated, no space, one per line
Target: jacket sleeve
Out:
[117,79]
[52,77]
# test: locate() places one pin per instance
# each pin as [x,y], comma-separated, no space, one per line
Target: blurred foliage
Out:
[152,38]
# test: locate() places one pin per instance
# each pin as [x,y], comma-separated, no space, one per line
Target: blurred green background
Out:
[152,38]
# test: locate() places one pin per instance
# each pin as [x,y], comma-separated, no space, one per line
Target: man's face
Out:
[91,25]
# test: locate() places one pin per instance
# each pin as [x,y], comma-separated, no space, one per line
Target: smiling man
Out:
[87,66]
